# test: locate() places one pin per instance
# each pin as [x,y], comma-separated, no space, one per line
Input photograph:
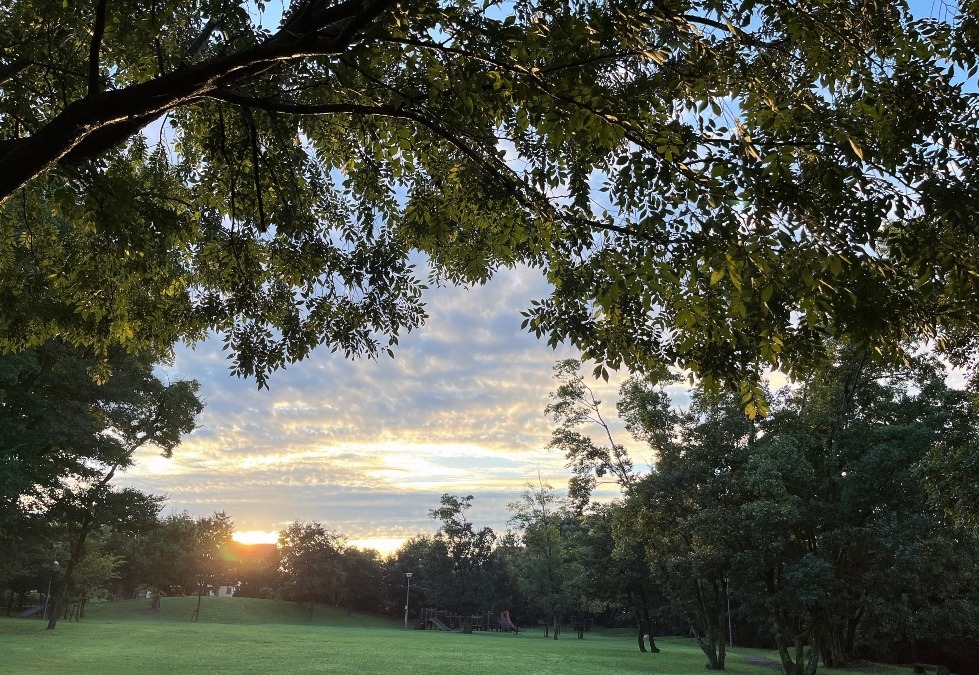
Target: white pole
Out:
[407,595]
[730,630]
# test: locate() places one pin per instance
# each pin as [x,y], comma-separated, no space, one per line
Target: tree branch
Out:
[13,69]
[502,175]
[98,30]
[89,126]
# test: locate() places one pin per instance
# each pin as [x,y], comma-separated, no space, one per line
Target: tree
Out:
[618,570]
[646,410]
[428,561]
[363,574]
[472,571]
[816,522]
[96,569]
[543,572]
[64,435]
[165,558]
[842,529]
[34,546]
[685,513]
[710,185]
[574,405]
[310,564]
[212,556]
[256,568]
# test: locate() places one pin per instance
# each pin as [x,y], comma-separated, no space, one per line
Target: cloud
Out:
[368,447]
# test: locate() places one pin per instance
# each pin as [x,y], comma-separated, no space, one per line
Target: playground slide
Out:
[506,622]
[438,624]
[32,611]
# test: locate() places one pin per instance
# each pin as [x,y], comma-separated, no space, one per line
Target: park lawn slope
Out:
[232,611]
[115,642]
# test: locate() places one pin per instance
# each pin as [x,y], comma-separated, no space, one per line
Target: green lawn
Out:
[242,635]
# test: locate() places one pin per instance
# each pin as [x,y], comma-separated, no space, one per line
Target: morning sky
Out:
[368,447]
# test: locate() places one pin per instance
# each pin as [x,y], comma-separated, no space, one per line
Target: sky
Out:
[368,447]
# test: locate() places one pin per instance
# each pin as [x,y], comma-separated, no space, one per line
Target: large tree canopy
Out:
[710,184]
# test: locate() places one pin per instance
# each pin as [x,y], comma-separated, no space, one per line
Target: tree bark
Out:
[197,610]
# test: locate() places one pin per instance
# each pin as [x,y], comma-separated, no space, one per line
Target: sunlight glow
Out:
[256,537]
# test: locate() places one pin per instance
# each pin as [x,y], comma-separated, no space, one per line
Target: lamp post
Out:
[407,595]
[727,594]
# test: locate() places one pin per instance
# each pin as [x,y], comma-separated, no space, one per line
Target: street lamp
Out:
[407,595]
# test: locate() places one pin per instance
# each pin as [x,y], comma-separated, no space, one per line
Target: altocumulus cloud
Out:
[367,447]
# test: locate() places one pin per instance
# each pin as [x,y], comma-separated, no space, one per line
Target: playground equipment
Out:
[439,619]
[506,623]
[32,611]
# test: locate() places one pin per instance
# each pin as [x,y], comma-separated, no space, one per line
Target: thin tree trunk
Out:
[197,611]
[648,620]
[65,583]
[642,633]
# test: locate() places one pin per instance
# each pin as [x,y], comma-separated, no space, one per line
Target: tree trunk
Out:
[557,628]
[65,583]
[647,620]
[642,632]
[197,610]
[806,656]
[711,638]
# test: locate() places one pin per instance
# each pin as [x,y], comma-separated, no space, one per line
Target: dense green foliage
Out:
[709,184]
[63,426]
[820,524]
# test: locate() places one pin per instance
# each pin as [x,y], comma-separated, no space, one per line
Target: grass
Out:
[259,636]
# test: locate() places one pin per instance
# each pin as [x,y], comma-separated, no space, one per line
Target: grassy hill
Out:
[232,611]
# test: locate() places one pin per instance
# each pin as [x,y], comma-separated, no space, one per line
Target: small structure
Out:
[222,591]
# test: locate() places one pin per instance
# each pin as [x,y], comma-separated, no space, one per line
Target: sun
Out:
[256,537]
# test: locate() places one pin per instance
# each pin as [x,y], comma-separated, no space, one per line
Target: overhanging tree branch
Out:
[498,171]
[85,128]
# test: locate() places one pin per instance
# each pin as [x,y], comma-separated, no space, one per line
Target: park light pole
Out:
[407,595]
